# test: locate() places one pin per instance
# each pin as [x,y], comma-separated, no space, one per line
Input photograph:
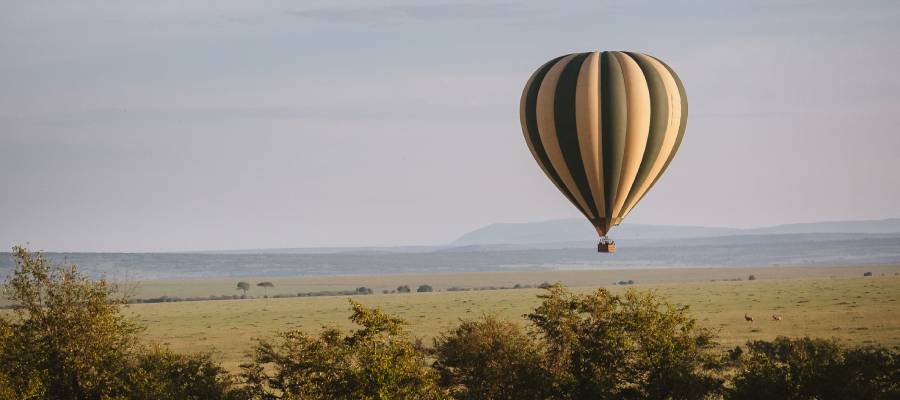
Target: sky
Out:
[187,125]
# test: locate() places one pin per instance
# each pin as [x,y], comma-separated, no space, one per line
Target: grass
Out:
[205,287]
[815,301]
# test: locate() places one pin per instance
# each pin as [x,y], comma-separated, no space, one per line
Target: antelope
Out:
[776,317]
[748,317]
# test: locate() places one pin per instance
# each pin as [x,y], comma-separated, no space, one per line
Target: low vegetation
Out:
[425,289]
[67,338]
[816,369]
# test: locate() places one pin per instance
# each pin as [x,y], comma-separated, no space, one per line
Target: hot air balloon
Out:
[604,126]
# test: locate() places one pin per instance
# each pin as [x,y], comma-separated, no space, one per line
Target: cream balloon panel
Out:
[604,126]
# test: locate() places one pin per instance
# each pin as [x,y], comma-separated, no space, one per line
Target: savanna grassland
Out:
[827,302]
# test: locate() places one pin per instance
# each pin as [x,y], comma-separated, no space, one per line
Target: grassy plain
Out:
[815,301]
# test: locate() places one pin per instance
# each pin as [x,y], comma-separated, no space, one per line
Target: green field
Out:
[816,301]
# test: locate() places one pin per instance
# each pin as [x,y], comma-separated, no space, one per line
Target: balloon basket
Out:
[606,246]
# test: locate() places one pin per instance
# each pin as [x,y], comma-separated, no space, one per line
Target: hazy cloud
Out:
[413,12]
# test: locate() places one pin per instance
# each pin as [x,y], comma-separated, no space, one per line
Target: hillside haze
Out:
[579,230]
[548,245]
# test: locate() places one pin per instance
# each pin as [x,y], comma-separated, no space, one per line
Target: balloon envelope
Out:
[604,126]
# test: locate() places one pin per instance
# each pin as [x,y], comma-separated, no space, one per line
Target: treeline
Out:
[424,288]
[68,339]
[172,299]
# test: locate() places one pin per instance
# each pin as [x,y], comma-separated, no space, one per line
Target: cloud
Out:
[400,13]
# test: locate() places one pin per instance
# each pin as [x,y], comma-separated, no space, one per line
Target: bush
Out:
[490,359]
[164,375]
[633,346]
[816,369]
[425,289]
[377,361]
[403,289]
[68,339]
[867,274]
[751,277]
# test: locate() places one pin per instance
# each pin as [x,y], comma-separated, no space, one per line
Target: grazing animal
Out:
[776,317]
[748,318]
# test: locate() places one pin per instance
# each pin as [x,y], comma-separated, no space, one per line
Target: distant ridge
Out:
[560,244]
[579,230]
[327,250]
[890,225]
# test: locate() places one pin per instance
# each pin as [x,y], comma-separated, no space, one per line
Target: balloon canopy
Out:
[604,126]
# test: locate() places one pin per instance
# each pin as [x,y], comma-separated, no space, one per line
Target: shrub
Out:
[425,289]
[816,369]
[403,289]
[377,361]
[633,346]
[751,277]
[490,359]
[67,335]
[68,339]
[164,375]
[867,274]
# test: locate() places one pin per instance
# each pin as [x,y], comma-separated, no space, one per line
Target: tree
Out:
[630,346]
[751,277]
[376,361]
[403,289]
[490,359]
[165,375]
[807,368]
[424,289]
[363,290]
[67,337]
[244,286]
[266,286]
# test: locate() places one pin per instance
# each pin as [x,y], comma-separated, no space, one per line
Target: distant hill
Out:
[578,230]
[890,225]
[560,244]
[719,251]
